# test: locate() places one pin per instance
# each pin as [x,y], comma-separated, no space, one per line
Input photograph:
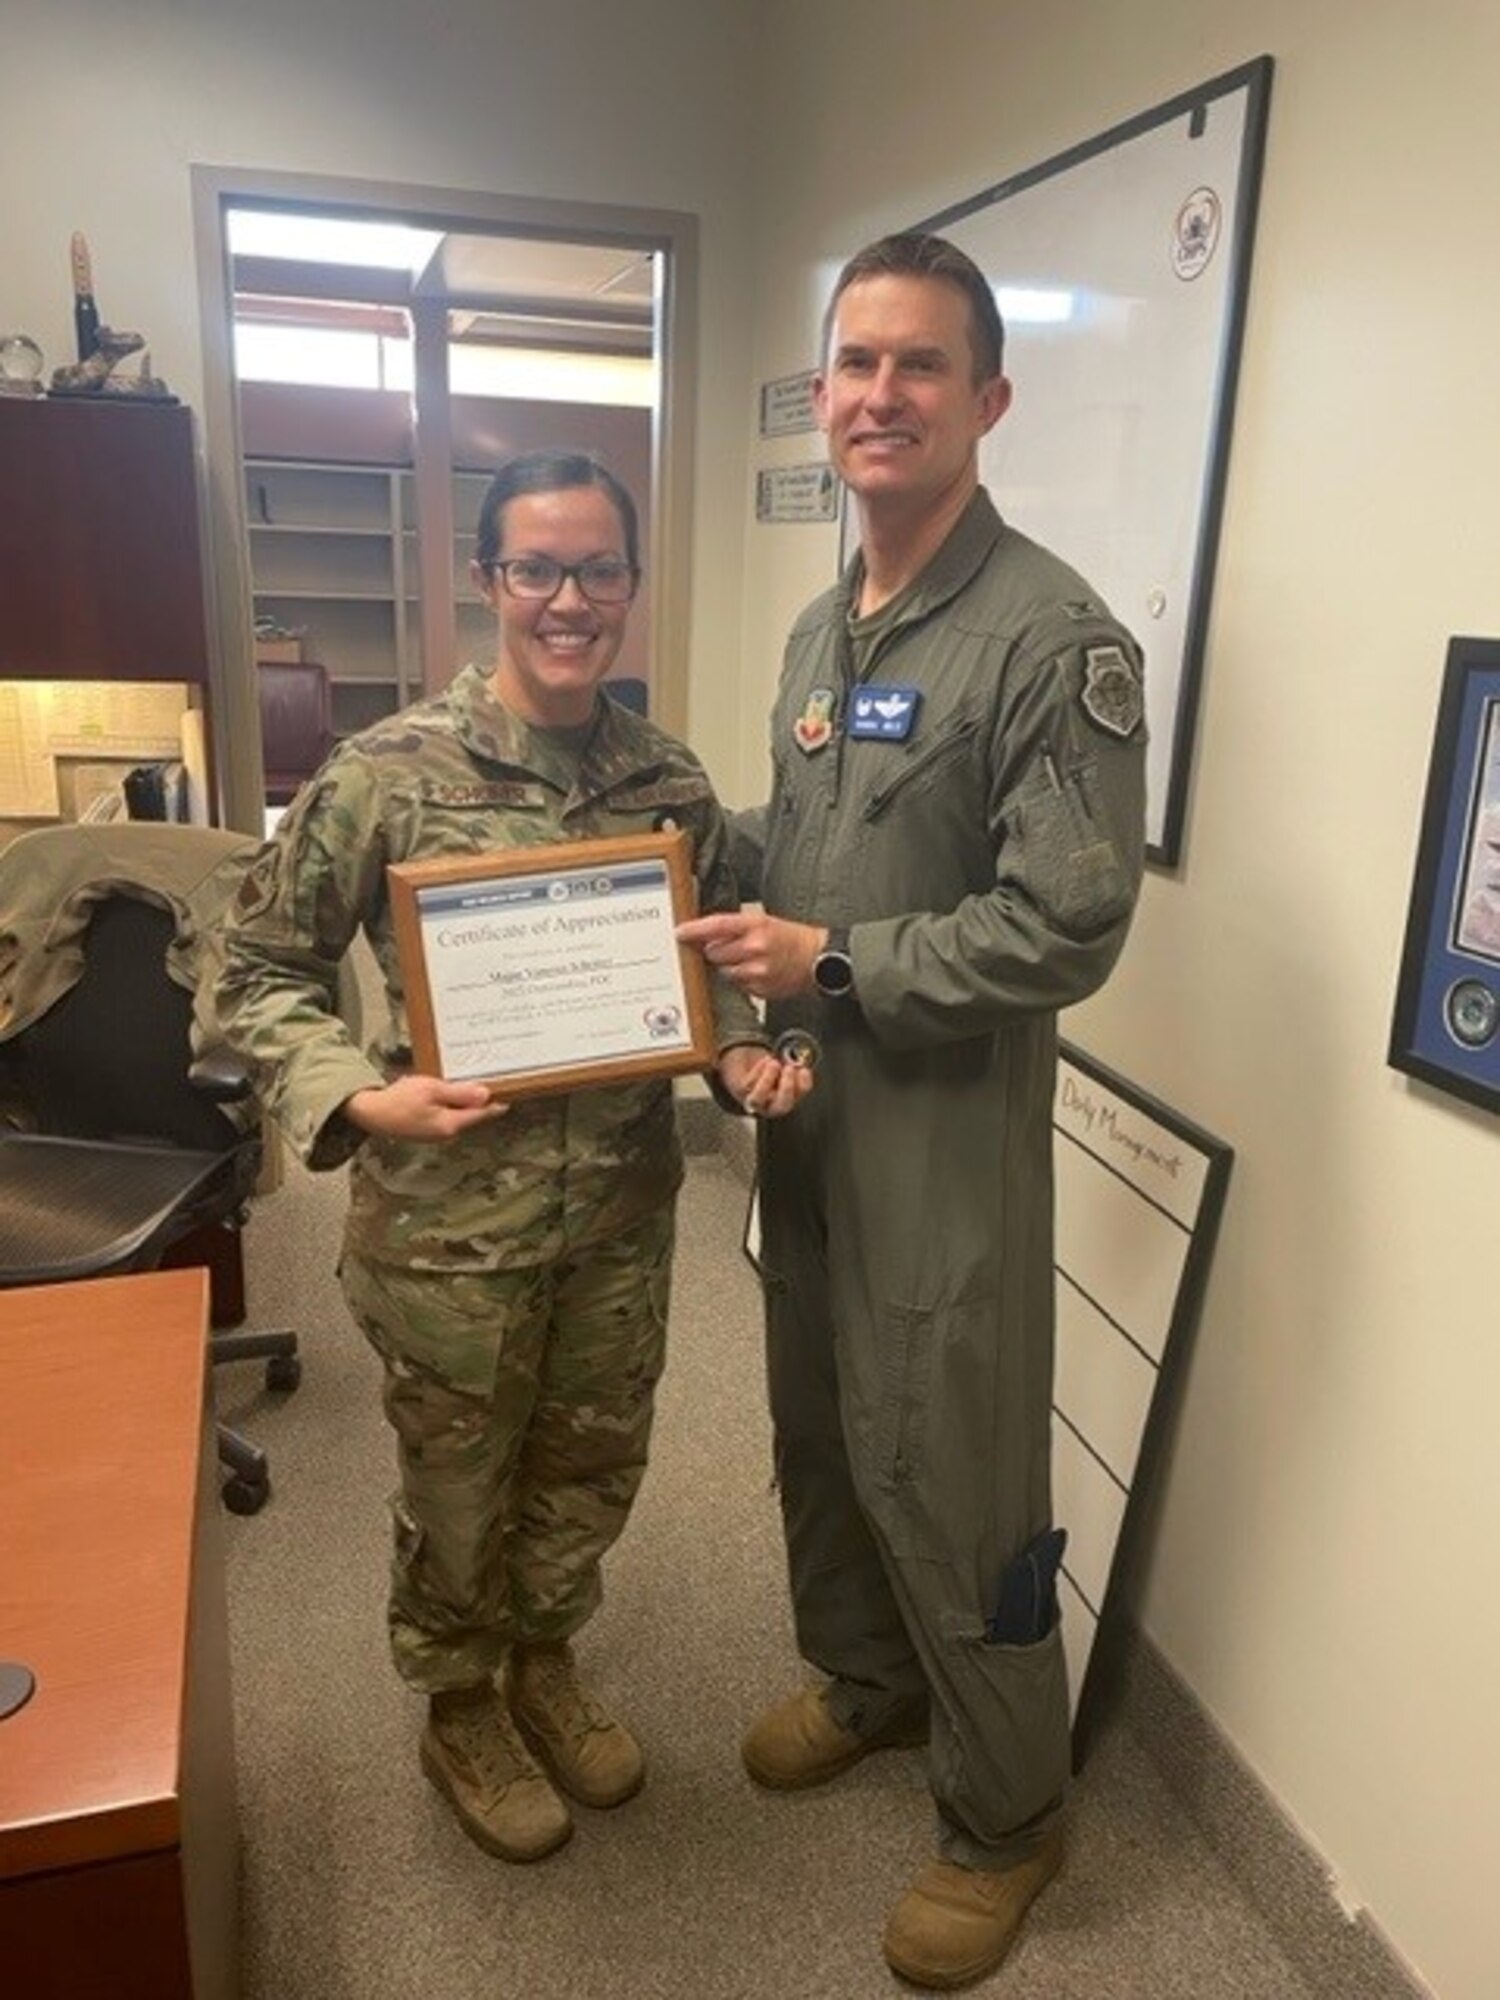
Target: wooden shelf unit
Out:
[327,559]
[333,555]
[330,504]
[474,620]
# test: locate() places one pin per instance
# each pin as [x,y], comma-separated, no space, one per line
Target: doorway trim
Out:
[234,711]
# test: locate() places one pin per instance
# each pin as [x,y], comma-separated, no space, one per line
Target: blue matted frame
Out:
[1446,1027]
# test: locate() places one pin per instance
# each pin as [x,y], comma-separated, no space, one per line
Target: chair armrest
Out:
[221,1076]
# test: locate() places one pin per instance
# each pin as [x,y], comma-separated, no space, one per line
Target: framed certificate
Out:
[537,969]
[1446,1029]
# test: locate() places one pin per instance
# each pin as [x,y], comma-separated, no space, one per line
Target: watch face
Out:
[833,973]
[1472,1012]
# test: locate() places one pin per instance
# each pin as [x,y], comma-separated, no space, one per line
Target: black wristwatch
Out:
[833,968]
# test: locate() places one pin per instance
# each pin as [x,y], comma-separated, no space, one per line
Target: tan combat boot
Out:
[595,1759]
[472,1753]
[799,1743]
[956,1924]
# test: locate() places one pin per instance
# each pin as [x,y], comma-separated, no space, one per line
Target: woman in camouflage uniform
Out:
[510,1266]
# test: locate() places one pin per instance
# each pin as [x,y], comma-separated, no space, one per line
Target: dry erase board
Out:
[1139,1192]
[1122,269]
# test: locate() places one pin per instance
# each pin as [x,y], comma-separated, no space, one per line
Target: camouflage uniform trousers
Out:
[522,1404]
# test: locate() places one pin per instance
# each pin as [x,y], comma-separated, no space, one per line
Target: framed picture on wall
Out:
[1446,1028]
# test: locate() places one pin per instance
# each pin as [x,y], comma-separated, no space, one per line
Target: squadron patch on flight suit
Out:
[814,726]
[1112,696]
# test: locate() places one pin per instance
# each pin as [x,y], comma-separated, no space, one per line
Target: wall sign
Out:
[797,493]
[786,405]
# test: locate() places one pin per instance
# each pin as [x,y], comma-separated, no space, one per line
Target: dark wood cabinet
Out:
[101,570]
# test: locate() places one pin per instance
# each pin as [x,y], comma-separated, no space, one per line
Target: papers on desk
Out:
[41,721]
[28,775]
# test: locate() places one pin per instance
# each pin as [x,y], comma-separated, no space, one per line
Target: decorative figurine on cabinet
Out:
[101,348]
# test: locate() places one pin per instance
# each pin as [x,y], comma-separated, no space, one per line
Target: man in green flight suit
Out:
[951,853]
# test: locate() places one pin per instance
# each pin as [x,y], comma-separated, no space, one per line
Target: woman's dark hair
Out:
[551,472]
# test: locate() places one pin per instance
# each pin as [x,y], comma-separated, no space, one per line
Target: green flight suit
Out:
[986,865]
[513,1280]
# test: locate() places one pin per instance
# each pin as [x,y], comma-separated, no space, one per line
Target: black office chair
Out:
[110,1152]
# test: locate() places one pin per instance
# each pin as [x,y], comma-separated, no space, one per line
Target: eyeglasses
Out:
[602,579]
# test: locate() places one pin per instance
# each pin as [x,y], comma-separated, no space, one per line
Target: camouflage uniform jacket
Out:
[458,775]
[52,880]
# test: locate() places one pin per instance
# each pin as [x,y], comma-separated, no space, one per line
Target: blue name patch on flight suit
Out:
[884,713]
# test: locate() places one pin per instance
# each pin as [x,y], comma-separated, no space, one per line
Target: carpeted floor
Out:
[358,1884]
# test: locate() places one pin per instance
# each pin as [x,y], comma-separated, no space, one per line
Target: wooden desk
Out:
[118,1835]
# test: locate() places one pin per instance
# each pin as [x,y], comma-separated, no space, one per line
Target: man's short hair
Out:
[914,254]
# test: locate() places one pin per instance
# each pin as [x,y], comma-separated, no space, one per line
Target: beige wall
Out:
[1328,1571]
[103,108]
[1327,1574]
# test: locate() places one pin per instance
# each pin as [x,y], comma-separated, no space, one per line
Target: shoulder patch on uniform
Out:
[1081,609]
[257,887]
[1112,695]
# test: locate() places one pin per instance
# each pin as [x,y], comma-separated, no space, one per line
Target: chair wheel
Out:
[242,1496]
[283,1372]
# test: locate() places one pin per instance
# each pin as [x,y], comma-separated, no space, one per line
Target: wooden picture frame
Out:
[1446,1024]
[552,968]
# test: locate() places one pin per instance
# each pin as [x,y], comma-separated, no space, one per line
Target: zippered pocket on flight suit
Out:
[957,737]
[1072,869]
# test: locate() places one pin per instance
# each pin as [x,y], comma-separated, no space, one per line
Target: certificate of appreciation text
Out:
[550,968]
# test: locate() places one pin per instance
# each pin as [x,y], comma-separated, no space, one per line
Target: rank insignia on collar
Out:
[1112,695]
[814,726]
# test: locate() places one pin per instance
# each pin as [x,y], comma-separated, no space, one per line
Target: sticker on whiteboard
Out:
[1195,234]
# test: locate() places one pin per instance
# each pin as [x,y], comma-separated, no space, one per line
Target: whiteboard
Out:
[1122,268]
[1139,1194]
